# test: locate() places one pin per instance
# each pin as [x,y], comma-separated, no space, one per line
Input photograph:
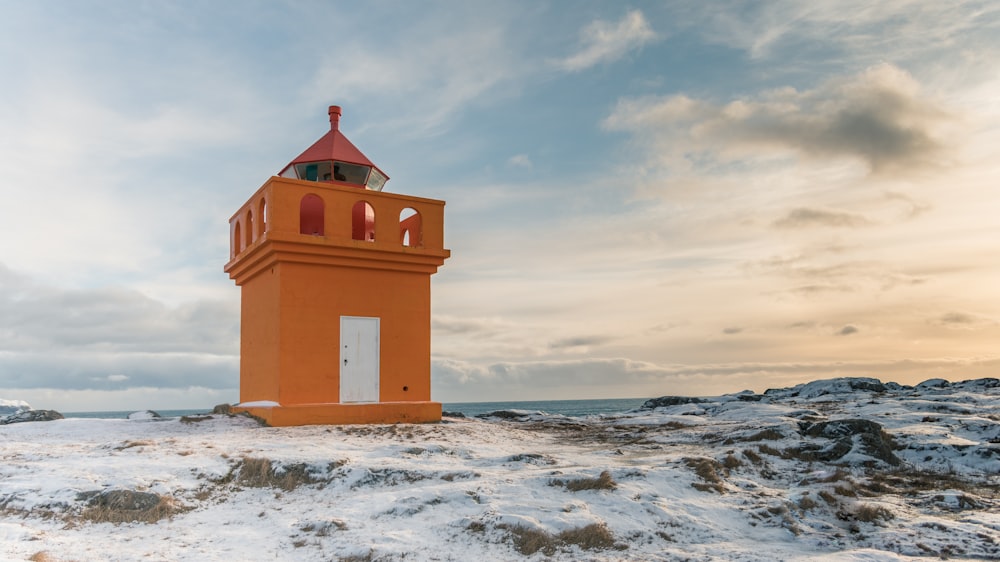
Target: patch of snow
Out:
[259,404]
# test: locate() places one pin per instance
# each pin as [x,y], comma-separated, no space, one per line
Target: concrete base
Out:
[342,414]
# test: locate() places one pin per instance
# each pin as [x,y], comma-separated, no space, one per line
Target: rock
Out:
[504,415]
[933,383]
[452,415]
[874,441]
[31,416]
[664,401]
[129,500]
[223,410]
[144,415]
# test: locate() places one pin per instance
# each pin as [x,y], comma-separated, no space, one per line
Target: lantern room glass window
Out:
[336,171]
[376,180]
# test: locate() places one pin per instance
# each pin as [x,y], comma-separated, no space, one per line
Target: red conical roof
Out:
[333,146]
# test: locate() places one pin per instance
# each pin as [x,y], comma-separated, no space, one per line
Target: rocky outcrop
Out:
[867,436]
[664,401]
[31,416]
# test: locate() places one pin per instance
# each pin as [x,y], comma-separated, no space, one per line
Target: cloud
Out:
[603,41]
[879,117]
[963,321]
[805,217]
[579,341]
[731,331]
[520,161]
[440,65]
[108,338]
[847,330]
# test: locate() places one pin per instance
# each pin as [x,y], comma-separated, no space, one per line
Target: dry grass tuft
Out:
[261,473]
[595,536]
[358,557]
[873,513]
[769,450]
[126,506]
[752,456]
[41,556]
[828,497]
[708,471]
[846,491]
[604,481]
[806,503]
[528,541]
[731,462]
[765,435]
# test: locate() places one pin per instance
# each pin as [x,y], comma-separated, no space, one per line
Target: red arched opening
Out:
[410,228]
[237,239]
[363,222]
[249,236]
[261,220]
[311,215]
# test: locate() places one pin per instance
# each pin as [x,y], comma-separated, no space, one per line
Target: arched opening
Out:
[363,222]
[311,215]
[261,217]
[237,239]
[410,228]
[250,237]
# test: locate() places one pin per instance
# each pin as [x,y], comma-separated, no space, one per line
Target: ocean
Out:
[469,409]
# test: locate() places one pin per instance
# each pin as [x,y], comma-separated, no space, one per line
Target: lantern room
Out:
[334,159]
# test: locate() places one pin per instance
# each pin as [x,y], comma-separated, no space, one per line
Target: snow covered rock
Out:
[31,416]
[8,407]
[932,383]
[842,385]
[664,401]
[871,440]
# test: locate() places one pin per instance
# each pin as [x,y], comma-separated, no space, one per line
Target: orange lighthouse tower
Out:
[335,276]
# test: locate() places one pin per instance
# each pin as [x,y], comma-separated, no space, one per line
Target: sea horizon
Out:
[584,407]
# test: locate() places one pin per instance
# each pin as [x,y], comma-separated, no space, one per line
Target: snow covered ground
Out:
[846,469]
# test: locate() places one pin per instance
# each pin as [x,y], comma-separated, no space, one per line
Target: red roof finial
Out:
[334,112]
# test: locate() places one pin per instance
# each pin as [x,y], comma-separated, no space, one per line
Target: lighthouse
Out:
[335,281]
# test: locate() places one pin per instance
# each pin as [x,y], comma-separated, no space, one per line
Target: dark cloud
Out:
[579,341]
[847,330]
[879,116]
[731,331]
[471,326]
[805,217]
[963,321]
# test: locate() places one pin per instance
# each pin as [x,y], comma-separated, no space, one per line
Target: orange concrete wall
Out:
[259,338]
[313,298]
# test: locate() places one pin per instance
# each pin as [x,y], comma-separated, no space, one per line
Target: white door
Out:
[359,359]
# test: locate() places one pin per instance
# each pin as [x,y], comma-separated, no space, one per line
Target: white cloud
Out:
[520,161]
[603,41]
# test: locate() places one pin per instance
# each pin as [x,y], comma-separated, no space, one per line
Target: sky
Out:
[643,198]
